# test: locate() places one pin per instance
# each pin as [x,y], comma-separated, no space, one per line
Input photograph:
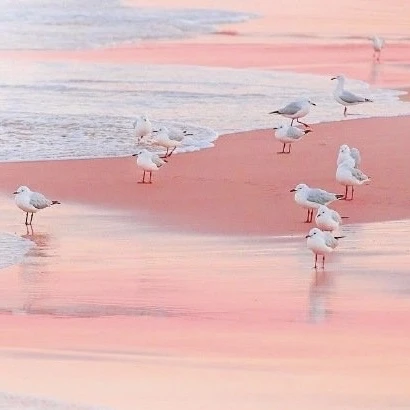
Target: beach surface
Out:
[183,294]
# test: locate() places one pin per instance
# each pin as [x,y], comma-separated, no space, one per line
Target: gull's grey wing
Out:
[351,98]
[359,175]
[320,196]
[290,109]
[336,217]
[39,201]
[294,133]
[330,240]
[355,154]
[157,160]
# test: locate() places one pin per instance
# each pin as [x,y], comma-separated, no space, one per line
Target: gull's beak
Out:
[134,155]
[275,128]
[313,104]
[307,131]
[333,78]
[307,236]
[15,193]
[293,190]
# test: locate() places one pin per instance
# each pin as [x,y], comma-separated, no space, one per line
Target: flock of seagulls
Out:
[321,240]
[324,239]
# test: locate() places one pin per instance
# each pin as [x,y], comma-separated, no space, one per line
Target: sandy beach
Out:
[197,291]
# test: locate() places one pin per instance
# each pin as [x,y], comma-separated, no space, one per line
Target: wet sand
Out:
[179,294]
[241,186]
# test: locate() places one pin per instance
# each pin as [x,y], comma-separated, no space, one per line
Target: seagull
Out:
[327,219]
[163,139]
[148,161]
[142,127]
[321,243]
[31,202]
[347,175]
[345,97]
[289,134]
[347,154]
[312,198]
[378,44]
[295,110]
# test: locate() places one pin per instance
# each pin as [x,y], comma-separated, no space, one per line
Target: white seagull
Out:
[378,44]
[321,243]
[163,139]
[288,134]
[149,162]
[312,198]
[142,127]
[345,97]
[295,110]
[31,202]
[347,175]
[327,219]
[350,155]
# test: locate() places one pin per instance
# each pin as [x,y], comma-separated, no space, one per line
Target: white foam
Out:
[71,110]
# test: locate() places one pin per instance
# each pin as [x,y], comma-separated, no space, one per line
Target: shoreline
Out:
[226,190]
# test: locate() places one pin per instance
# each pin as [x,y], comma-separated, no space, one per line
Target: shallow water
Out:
[145,272]
[73,110]
[256,296]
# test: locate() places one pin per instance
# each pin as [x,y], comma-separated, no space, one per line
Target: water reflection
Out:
[374,72]
[34,271]
[319,295]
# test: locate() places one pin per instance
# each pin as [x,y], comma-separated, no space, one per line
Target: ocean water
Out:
[76,24]
[60,110]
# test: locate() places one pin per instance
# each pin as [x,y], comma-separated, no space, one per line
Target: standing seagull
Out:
[31,202]
[327,219]
[289,134]
[321,243]
[149,162]
[142,127]
[347,154]
[345,97]
[347,175]
[312,198]
[378,44]
[162,139]
[295,110]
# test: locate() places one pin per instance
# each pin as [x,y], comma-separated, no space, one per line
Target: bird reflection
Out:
[34,271]
[374,72]
[318,295]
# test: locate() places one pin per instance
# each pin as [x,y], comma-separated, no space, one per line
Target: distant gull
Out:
[345,97]
[142,127]
[295,110]
[321,243]
[327,219]
[349,176]
[312,198]
[289,134]
[378,44]
[31,202]
[149,162]
[350,155]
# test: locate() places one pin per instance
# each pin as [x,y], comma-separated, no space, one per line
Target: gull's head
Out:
[279,127]
[344,149]
[22,189]
[299,187]
[339,78]
[322,210]
[140,152]
[313,232]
